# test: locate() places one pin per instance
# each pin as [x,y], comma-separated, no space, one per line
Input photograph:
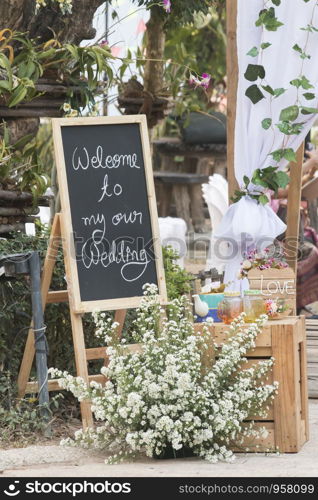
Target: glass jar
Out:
[230,307]
[254,305]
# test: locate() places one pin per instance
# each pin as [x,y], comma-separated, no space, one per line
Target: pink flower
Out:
[193,80]
[205,82]
[167,6]
[104,43]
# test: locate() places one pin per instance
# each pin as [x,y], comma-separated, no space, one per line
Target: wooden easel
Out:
[82,355]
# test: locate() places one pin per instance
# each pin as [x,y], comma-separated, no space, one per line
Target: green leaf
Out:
[246,180]
[17,96]
[296,82]
[266,123]
[297,48]
[5,64]
[5,85]
[305,83]
[276,2]
[279,92]
[253,52]
[265,45]
[289,154]
[253,72]
[309,96]
[268,89]
[288,128]
[254,94]
[282,179]
[289,114]
[308,111]
[263,199]
[268,19]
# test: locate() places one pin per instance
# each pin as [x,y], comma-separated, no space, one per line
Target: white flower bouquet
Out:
[179,392]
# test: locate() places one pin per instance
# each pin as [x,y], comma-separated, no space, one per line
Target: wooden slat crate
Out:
[275,284]
[287,420]
[312,355]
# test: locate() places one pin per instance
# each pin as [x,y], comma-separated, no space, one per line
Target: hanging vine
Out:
[271,177]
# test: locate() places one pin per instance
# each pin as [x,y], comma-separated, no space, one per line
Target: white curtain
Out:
[247,224]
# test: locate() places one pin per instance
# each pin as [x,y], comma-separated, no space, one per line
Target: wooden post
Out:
[293,209]
[232,82]
[287,404]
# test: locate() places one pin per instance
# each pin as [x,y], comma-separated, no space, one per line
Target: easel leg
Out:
[81,364]
[120,317]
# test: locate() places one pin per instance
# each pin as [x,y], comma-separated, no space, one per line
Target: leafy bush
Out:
[177,279]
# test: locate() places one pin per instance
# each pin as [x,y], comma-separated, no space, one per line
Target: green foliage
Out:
[181,12]
[29,60]
[269,178]
[254,71]
[267,123]
[268,19]
[21,421]
[20,164]
[254,94]
[177,279]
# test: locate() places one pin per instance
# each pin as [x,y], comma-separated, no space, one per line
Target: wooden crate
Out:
[287,420]
[275,284]
[312,355]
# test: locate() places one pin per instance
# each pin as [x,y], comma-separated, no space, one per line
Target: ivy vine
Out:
[271,178]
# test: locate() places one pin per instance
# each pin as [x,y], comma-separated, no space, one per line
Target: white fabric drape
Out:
[246,220]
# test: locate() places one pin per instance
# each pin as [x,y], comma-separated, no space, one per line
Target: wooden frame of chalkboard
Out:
[82,296]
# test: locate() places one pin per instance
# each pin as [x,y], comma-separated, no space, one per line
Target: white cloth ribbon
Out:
[247,219]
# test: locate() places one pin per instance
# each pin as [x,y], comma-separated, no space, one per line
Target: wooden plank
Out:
[279,274]
[53,385]
[221,334]
[293,209]
[120,316]
[77,327]
[303,380]
[264,380]
[57,296]
[96,353]
[232,83]
[287,403]
[49,263]
[252,445]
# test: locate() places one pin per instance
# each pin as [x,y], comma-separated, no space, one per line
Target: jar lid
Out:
[252,292]
[232,294]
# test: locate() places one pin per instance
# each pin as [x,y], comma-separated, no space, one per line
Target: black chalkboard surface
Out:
[105,175]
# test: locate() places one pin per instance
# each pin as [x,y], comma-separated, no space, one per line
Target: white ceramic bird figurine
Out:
[201,308]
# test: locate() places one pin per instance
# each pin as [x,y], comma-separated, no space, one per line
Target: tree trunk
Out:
[19,15]
[153,77]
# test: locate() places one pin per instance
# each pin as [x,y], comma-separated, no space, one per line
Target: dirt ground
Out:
[58,461]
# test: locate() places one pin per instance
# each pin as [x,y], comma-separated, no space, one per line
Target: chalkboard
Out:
[108,210]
